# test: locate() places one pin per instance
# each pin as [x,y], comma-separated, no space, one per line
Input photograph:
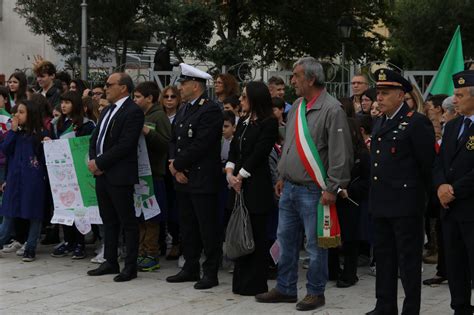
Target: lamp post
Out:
[84,41]
[344,27]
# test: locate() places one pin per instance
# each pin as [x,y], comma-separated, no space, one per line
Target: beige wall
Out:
[18,45]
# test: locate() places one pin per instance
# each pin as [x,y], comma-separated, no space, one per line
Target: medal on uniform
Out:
[190,133]
[470,143]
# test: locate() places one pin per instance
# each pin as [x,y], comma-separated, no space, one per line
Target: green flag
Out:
[452,63]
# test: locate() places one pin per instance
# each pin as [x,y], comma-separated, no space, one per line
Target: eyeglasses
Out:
[107,84]
[170,96]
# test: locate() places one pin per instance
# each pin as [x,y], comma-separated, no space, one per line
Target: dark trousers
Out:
[441,266]
[398,245]
[199,230]
[117,210]
[72,235]
[250,271]
[459,253]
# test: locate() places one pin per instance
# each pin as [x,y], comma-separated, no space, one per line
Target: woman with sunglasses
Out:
[248,173]
[170,100]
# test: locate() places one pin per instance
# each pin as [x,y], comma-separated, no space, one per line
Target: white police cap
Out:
[190,73]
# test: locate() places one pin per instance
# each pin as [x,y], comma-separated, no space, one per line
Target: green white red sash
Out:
[329,232]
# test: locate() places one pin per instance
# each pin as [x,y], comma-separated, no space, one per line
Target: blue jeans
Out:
[6,229]
[298,209]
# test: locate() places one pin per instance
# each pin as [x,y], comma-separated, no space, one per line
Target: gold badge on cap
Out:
[461,81]
[470,143]
[382,76]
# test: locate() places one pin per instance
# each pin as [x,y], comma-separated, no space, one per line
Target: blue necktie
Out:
[98,151]
[467,124]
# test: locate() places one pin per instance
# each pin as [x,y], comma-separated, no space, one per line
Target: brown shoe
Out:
[311,302]
[432,259]
[274,296]
[174,253]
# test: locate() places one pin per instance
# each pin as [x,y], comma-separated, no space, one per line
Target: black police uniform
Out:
[196,147]
[455,166]
[402,154]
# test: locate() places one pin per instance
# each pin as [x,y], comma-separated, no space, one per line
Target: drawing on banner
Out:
[73,186]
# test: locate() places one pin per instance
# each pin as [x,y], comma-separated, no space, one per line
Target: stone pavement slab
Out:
[60,286]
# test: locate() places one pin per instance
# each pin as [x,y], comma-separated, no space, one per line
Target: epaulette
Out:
[203,100]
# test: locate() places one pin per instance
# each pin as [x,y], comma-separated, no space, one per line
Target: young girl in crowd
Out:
[24,189]
[17,85]
[72,123]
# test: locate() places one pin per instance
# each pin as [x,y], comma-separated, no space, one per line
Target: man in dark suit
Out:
[196,165]
[454,181]
[113,161]
[402,154]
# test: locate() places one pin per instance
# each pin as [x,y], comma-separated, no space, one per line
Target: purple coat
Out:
[26,177]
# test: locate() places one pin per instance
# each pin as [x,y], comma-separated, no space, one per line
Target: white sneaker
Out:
[21,251]
[100,256]
[13,247]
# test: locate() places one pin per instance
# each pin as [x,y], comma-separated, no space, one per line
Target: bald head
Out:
[118,85]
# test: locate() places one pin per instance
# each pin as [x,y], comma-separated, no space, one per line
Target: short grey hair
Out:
[448,104]
[312,70]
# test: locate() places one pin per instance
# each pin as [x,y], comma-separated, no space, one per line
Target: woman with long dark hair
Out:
[352,204]
[17,85]
[248,173]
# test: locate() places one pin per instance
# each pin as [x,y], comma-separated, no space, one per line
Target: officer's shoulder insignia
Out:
[202,102]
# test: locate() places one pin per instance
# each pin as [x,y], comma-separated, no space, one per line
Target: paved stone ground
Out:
[60,285]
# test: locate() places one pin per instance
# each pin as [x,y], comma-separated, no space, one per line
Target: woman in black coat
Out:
[248,173]
[351,215]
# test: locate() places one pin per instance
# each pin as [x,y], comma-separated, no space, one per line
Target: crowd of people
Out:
[373,175]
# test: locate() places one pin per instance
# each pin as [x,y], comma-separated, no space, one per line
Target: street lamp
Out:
[344,27]
[84,41]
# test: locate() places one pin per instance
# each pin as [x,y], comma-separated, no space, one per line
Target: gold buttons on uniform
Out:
[376,164]
[405,185]
[378,151]
[379,139]
[376,178]
[179,150]
[179,138]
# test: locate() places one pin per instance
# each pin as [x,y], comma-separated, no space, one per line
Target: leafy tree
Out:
[421,31]
[61,21]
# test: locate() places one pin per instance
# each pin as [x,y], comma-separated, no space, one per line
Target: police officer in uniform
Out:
[195,163]
[454,181]
[402,154]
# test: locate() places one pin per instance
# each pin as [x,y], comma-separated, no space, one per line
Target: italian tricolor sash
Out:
[329,232]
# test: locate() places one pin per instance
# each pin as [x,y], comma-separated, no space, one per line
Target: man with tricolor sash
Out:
[316,161]
[402,154]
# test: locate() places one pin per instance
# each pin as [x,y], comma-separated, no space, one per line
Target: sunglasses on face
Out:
[170,96]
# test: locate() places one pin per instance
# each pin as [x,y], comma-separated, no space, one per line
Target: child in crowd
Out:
[71,124]
[228,130]
[232,103]
[157,132]
[24,190]
[278,109]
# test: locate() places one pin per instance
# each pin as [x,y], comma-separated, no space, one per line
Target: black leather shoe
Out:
[206,283]
[183,276]
[434,281]
[125,276]
[381,312]
[342,283]
[105,268]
